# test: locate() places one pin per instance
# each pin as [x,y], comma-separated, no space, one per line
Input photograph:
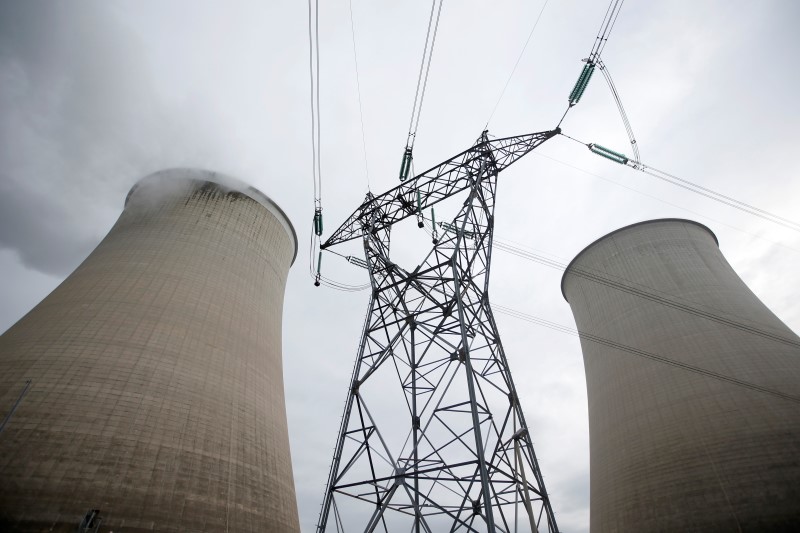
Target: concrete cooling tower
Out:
[156,388]
[712,445]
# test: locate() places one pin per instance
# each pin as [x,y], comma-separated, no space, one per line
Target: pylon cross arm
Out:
[435,184]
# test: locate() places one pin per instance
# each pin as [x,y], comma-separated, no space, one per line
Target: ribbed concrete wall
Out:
[156,377]
[673,450]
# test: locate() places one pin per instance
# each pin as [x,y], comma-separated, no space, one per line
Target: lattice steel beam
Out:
[434,185]
[449,448]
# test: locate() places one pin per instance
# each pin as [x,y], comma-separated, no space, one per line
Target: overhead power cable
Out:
[513,70]
[719,197]
[313,65]
[610,18]
[635,289]
[331,284]
[425,65]
[427,70]
[422,83]
[629,287]
[696,213]
[593,61]
[314,252]
[622,159]
[619,283]
[651,294]
[315,256]
[642,353]
[316,163]
[344,286]
[358,88]
[605,29]
[623,115]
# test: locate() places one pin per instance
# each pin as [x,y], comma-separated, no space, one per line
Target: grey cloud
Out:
[54,135]
[29,223]
[81,122]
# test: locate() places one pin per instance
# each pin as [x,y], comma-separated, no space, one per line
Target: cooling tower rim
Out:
[625,228]
[224,181]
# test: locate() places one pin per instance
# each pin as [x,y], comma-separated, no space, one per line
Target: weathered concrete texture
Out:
[673,450]
[156,377]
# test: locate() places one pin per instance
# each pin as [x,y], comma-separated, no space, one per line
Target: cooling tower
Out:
[710,439]
[156,388]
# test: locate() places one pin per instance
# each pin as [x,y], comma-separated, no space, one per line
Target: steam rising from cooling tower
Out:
[672,448]
[156,387]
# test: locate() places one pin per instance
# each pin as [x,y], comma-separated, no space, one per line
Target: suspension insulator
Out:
[452,228]
[405,166]
[318,222]
[357,261]
[433,225]
[617,157]
[581,84]
[420,222]
[319,267]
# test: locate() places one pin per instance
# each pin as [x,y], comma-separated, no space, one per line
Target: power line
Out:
[648,293]
[422,81]
[689,185]
[318,113]
[513,70]
[645,292]
[605,29]
[642,291]
[637,191]
[331,284]
[323,280]
[425,65]
[630,287]
[344,286]
[316,156]
[358,88]
[623,115]
[316,151]
[427,68]
[719,197]
[610,18]
[642,353]
[313,51]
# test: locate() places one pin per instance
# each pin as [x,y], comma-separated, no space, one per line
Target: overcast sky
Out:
[95,95]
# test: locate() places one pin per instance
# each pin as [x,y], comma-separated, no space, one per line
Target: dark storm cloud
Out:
[81,122]
[44,240]
[52,101]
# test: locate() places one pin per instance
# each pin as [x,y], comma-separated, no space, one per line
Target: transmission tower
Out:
[449,448]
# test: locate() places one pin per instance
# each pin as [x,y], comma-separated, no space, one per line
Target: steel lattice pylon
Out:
[449,449]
